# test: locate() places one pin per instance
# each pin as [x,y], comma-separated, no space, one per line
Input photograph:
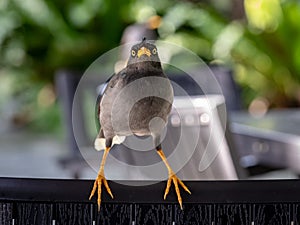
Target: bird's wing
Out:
[110,82]
[97,111]
[100,140]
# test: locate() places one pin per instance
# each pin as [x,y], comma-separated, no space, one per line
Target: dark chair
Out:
[56,202]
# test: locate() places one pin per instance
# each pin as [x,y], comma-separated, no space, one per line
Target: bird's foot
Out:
[176,181]
[98,184]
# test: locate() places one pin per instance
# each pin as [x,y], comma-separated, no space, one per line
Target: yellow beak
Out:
[143,51]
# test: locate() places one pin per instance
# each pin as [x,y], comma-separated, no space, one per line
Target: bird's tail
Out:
[100,142]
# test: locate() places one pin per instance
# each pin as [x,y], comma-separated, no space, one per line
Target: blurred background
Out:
[257,40]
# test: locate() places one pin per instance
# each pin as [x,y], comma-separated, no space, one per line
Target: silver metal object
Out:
[272,140]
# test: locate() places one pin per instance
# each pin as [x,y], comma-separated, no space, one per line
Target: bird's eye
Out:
[154,51]
[133,53]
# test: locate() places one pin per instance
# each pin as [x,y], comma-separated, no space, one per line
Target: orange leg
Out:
[174,178]
[101,179]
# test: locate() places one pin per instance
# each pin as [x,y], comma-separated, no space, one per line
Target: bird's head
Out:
[142,52]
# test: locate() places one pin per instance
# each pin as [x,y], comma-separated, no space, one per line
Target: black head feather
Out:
[142,52]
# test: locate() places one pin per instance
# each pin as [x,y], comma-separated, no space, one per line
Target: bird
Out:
[129,103]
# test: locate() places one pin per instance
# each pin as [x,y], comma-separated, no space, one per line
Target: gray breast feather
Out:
[130,108]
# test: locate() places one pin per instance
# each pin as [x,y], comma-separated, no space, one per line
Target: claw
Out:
[101,179]
[107,188]
[93,190]
[174,178]
[167,188]
[98,184]
[176,181]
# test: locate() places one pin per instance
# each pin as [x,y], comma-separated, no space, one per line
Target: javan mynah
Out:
[131,101]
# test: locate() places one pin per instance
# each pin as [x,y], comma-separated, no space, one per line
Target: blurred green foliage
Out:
[38,37]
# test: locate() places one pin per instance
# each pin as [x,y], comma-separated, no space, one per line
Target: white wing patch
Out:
[100,142]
